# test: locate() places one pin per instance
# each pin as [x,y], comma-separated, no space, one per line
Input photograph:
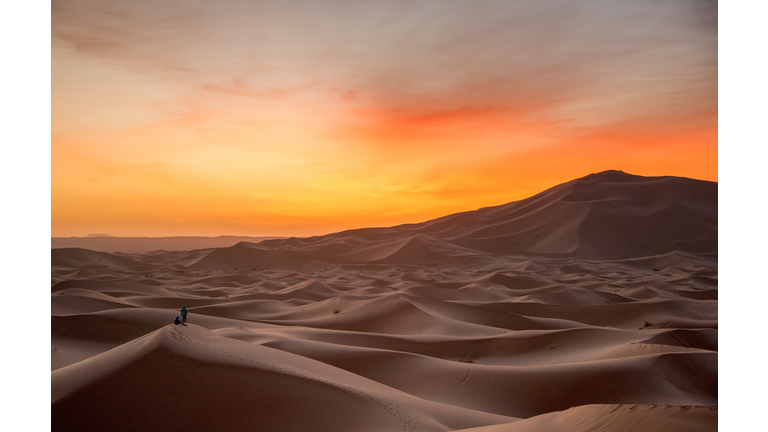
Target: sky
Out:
[299,118]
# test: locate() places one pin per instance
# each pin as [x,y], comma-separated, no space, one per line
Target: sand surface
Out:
[591,306]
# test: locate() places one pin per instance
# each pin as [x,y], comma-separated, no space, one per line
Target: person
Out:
[183,313]
[177,321]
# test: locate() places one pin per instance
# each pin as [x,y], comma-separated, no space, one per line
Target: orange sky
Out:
[303,118]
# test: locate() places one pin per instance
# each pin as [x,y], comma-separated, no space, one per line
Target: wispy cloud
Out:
[419,55]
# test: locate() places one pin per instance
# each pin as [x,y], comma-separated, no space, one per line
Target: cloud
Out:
[415,73]
[421,55]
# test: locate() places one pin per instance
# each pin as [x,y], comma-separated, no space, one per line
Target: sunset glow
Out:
[298,118]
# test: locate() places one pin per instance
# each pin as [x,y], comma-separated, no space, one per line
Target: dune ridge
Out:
[590,306]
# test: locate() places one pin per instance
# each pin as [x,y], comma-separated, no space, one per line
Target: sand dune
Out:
[616,418]
[601,216]
[252,384]
[590,306]
[81,258]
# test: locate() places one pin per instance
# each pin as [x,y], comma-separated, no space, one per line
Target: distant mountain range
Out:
[107,243]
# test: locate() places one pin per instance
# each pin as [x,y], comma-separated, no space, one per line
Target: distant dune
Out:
[610,215]
[107,243]
[590,306]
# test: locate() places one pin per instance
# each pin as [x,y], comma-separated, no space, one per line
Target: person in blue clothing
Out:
[178,321]
[183,314]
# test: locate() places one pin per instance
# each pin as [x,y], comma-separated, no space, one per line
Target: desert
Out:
[592,305]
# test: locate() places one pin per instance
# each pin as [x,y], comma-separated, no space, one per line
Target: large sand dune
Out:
[590,306]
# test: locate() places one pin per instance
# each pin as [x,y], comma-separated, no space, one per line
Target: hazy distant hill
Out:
[102,243]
